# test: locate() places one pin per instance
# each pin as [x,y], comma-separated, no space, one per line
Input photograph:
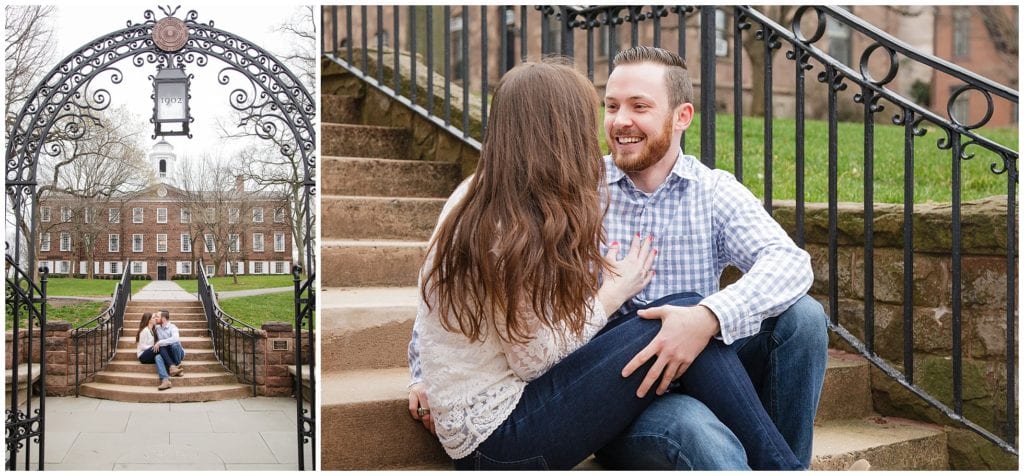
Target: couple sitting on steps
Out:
[158,342]
[536,344]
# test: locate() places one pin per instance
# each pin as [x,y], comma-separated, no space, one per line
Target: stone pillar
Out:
[60,371]
[273,376]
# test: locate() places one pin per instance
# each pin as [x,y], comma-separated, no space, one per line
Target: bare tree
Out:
[1001,23]
[28,49]
[300,30]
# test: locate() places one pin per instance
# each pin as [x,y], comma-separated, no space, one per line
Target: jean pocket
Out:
[534,463]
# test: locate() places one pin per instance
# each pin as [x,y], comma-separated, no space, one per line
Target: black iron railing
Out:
[234,342]
[438,40]
[305,363]
[26,310]
[96,340]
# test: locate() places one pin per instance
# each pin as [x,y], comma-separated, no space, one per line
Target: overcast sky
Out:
[82,22]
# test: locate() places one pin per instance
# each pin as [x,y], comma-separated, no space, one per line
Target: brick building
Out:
[163,230]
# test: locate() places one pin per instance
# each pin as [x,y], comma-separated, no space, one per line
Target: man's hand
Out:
[156,347]
[417,400]
[685,331]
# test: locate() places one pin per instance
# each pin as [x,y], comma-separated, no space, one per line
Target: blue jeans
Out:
[176,353]
[582,403]
[786,363]
[161,360]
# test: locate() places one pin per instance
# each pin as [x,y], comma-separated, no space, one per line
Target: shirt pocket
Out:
[685,263]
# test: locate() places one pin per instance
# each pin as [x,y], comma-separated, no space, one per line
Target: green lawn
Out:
[86,287]
[932,166]
[256,310]
[245,281]
[76,314]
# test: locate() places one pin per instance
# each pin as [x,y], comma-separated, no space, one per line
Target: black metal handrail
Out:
[98,337]
[234,342]
[435,104]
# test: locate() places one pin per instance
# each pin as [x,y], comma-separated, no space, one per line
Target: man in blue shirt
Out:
[701,220]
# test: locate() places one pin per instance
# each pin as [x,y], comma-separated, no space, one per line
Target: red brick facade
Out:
[160,240]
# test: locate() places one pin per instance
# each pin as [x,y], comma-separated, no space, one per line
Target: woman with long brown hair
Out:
[520,369]
[148,352]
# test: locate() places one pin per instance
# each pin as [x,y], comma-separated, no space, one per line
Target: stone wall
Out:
[983,318]
[273,378]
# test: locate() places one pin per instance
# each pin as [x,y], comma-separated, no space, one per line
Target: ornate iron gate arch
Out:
[274,104]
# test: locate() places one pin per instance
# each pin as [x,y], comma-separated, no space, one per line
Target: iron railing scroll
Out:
[234,342]
[25,424]
[95,341]
[592,35]
[305,363]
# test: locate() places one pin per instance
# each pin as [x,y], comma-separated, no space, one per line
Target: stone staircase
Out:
[205,379]
[378,213]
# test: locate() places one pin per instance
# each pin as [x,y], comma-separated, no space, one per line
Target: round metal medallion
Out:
[170,34]
[161,192]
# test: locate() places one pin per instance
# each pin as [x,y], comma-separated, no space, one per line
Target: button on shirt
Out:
[703,220]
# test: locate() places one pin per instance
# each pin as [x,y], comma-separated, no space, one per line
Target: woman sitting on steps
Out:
[149,352]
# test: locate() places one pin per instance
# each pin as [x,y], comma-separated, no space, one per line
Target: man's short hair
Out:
[165,314]
[677,79]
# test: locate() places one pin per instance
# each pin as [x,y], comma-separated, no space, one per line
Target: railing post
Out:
[707,85]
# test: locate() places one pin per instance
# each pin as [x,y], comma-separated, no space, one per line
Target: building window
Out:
[114,215]
[279,215]
[510,37]
[137,267]
[161,215]
[186,243]
[211,246]
[64,267]
[210,214]
[44,214]
[233,243]
[604,39]
[233,215]
[839,41]
[456,48]
[137,215]
[257,241]
[88,215]
[184,267]
[115,267]
[279,242]
[961,107]
[163,168]
[721,34]
[279,267]
[209,270]
[551,42]
[137,243]
[161,243]
[186,215]
[257,267]
[44,242]
[382,39]
[65,214]
[113,243]
[257,215]
[961,30]
[65,241]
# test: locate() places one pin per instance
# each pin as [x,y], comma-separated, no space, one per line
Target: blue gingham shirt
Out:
[703,220]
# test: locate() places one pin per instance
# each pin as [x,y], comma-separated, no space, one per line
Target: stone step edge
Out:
[406,161]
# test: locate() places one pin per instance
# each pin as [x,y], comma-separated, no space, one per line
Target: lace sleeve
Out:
[547,346]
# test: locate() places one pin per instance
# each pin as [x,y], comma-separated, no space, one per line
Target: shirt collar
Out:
[684,168]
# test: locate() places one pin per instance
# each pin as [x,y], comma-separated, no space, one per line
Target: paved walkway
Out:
[163,291]
[102,435]
[252,292]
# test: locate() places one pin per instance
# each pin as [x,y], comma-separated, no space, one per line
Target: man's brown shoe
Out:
[175,371]
[164,384]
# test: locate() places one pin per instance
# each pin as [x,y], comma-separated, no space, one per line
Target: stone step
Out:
[188,379]
[366,426]
[366,328]
[847,390]
[134,366]
[340,109]
[188,343]
[196,332]
[372,263]
[350,140]
[178,394]
[887,443]
[358,176]
[171,306]
[190,354]
[379,218]
[366,423]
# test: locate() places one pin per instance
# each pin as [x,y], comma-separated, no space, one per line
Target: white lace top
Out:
[473,387]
